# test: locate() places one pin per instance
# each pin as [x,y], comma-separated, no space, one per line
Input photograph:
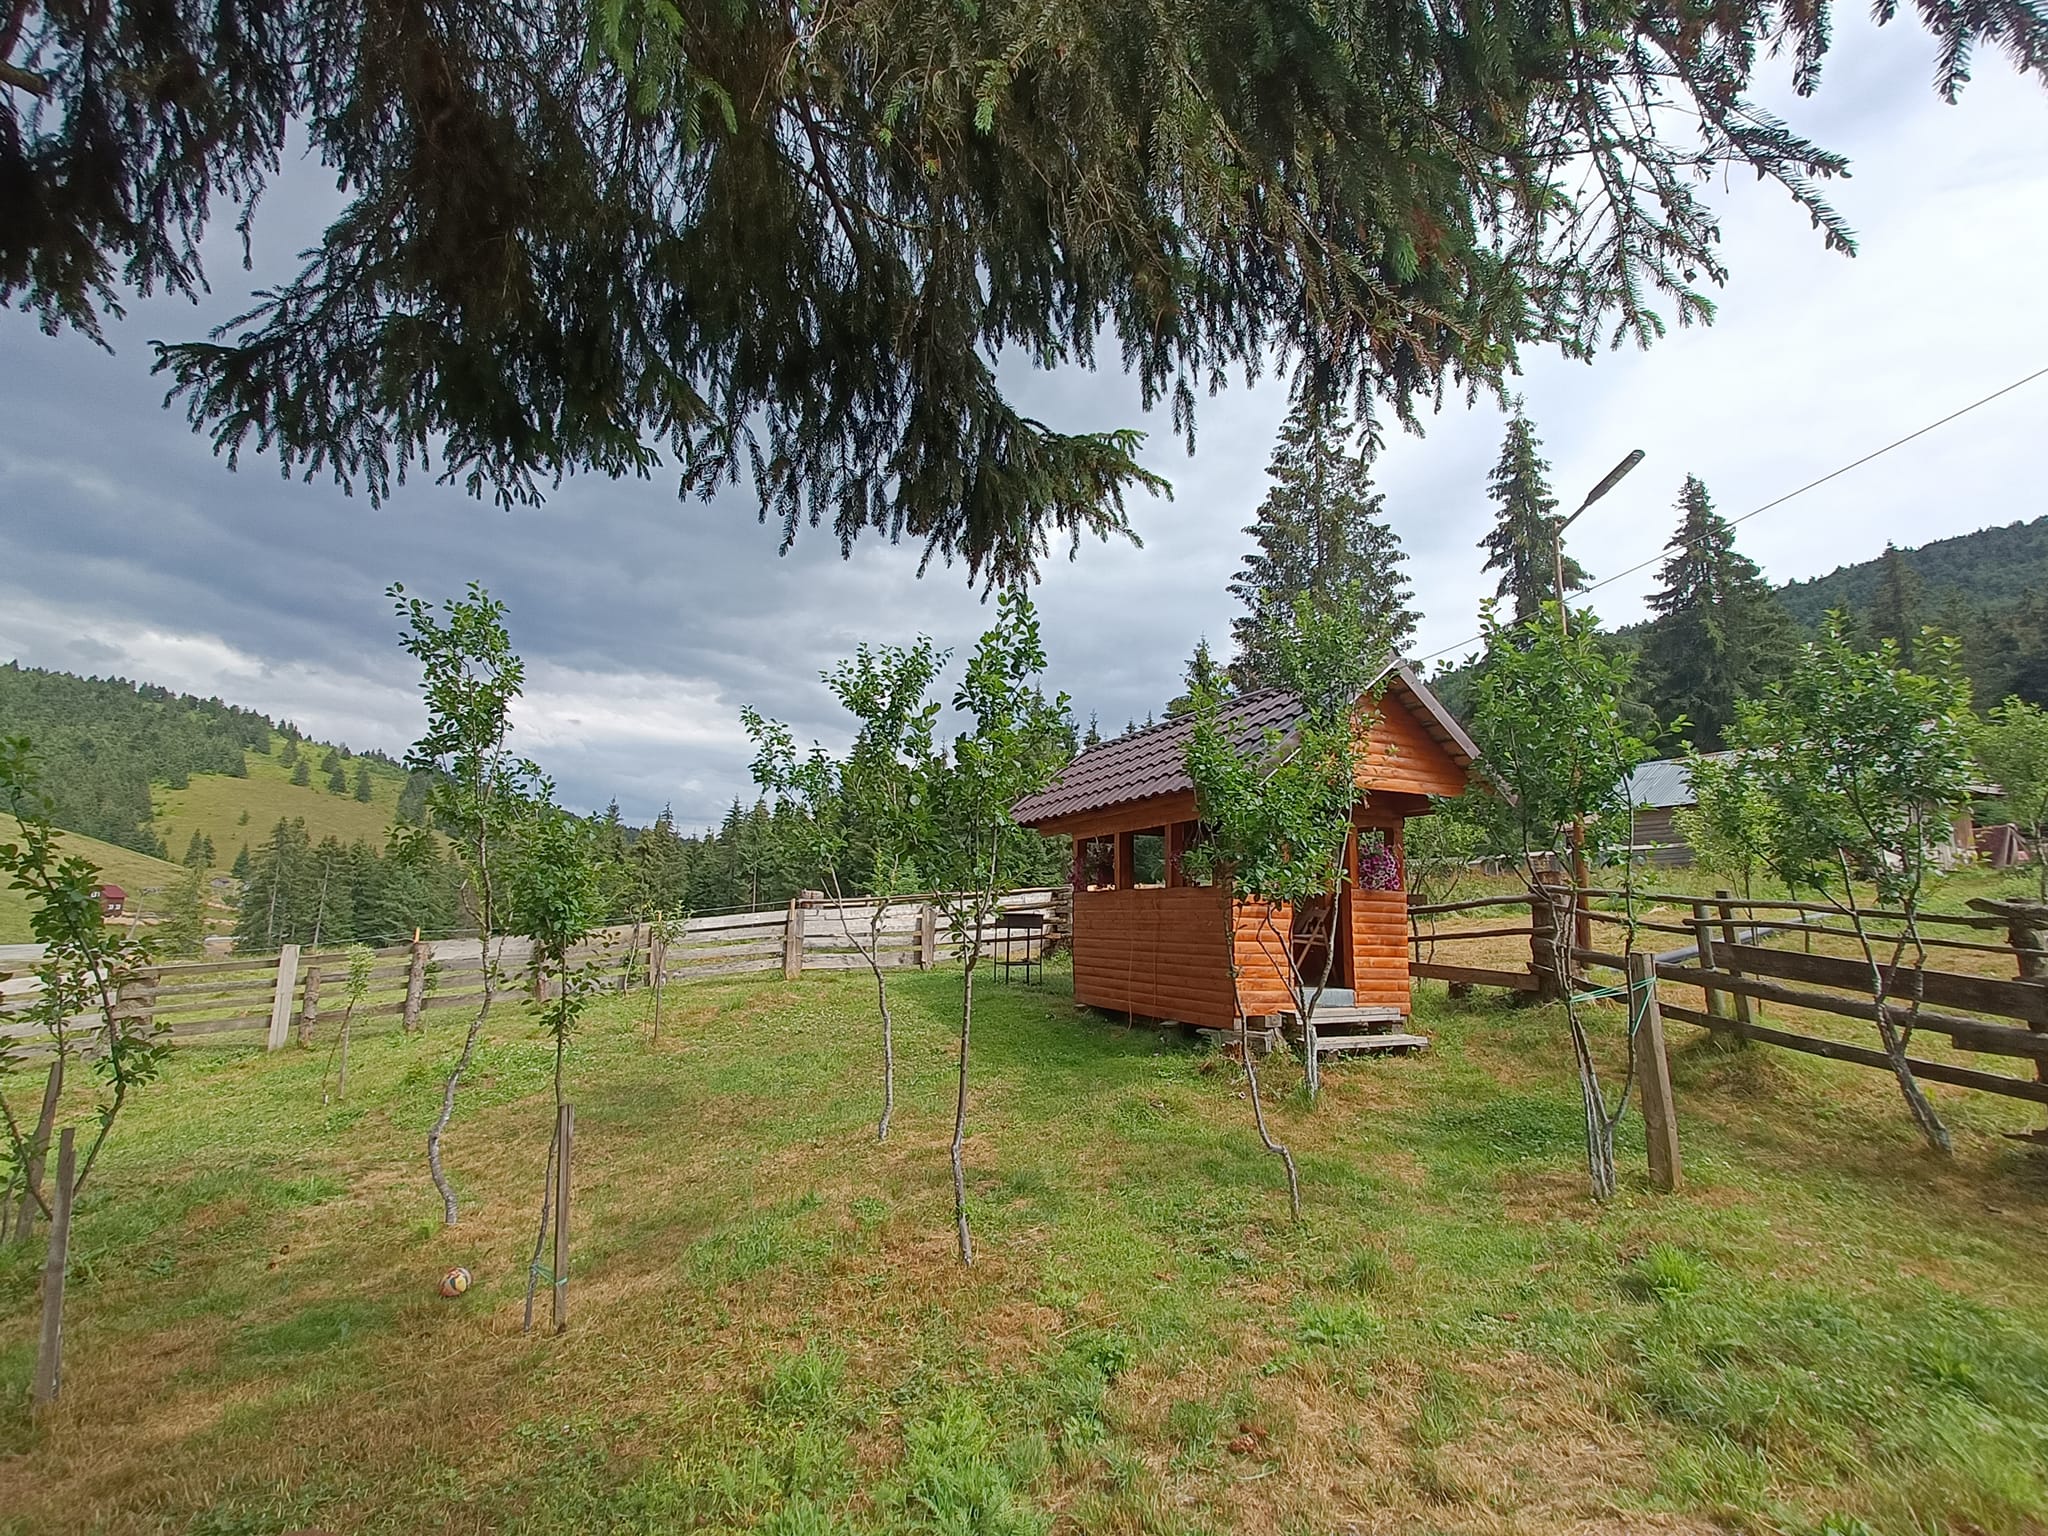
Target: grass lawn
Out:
[235,811]
[1829,1331]
[142,877]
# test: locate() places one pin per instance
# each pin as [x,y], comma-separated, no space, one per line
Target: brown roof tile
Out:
[1152,761]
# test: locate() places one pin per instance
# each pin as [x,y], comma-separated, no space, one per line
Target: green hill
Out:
[145,879]
[1991,568]
[233,811]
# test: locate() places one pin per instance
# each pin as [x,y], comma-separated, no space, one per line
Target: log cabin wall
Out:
[1379,923]
[1401,758]
[1156,952]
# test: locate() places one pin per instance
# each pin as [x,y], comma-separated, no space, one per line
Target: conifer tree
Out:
[1092,737]
[1320,531]
[195,853]
[1895,606]
[1522,545]
[337,781]
[364,791]
[1719,634]
[1201,677]
[302,773]
[241,866]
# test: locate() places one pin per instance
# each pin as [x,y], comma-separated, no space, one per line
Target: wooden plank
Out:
[1968,1034]
[240,1022]
[281,1000]
[2008,998]
[1653,1076]
[49,1376]
[1452,935]
[1470,904]
[1837,1050]
[1472,975]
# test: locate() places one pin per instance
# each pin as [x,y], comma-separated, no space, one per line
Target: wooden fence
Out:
[292,993]
[1734,953]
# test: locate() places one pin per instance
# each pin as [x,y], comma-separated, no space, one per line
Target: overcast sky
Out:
[126,547]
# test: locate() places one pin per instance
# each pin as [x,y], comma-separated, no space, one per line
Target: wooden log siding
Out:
[1154,953]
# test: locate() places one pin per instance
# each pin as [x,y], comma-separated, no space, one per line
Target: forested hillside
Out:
[101,743]
[1993,567]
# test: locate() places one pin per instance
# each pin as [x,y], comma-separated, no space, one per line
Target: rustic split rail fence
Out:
[298,991]
[1736,955]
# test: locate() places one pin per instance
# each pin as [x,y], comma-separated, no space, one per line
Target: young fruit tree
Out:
[1863,764]
[856,813]
[362,961]
[555,897]
[1727,821]
[478,790]
[1553,738]
[1278,812]
[2011,745]
[964,840]
[85,974]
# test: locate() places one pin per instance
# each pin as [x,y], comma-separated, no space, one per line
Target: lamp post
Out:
[1582,917]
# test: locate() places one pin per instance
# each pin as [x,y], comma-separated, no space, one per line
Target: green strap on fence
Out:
[1599,992]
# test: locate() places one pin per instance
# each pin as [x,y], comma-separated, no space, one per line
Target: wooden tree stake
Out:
[309,1008]
[565,1137]
[49,1377]
[1653,1075]
[415,986]
[793,941]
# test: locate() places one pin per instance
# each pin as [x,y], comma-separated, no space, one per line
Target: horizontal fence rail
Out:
[298,993]
[1737,955]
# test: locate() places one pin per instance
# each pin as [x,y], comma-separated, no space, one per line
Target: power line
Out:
[1875,453]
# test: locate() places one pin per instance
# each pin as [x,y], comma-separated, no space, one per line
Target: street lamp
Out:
[1613,478]
[1582,916]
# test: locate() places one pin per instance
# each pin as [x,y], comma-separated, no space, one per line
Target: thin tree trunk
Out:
[960,1101]
[1894,1041]
[872,954]
[38,1149]
[1251,1071]
[540,1237]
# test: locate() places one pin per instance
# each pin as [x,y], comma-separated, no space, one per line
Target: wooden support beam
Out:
[793,942]
[415,985]
[49,1377]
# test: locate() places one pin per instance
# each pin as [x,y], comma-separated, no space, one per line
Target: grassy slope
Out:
[136,873]
[213,805]
[771,1332]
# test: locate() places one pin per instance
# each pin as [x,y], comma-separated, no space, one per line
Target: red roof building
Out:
[1149,943]
[113,900]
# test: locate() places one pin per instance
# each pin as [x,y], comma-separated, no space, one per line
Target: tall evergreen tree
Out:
[281,892]
[364,790]
[302,773]
[1201,676]
[1522,544]
[1719,634]
[1321,533]
[1895,608]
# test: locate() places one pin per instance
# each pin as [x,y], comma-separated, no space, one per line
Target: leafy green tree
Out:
[83,968]
[1719,634]
[365,792]
[1727,823]
[842,215]
[555,895]
[2011,746]
[964,840]
[1522,544]
[1549,723]
[861,810]
[470,678]
[362,962]
[1863,763]
[1320,531]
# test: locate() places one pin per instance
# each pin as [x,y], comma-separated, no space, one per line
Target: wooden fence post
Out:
[309,1008]
[793,941]
[927,936]
[2026,930]
[49,1379]
[281,997]
[1745,1006]
[1653,1074]
[415,986]
[565,1137]
[1703,935]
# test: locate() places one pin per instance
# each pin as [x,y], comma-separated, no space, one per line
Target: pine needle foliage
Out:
[792,242]
[1321,531]
[1719,634]
[1522,544]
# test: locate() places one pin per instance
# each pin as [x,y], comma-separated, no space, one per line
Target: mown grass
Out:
[1827,1331]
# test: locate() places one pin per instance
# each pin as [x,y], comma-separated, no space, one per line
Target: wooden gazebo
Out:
[1149,942]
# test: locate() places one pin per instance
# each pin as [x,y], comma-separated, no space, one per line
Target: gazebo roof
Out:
[1152,761]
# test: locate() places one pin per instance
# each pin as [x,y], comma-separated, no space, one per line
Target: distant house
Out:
[113,900]
[1661,789]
